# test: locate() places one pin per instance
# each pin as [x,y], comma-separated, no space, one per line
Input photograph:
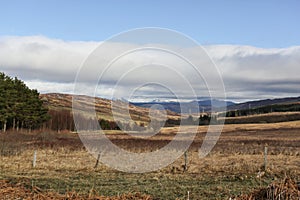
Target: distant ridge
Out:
[205,105]
[140,109]
[186,107]
[264,102]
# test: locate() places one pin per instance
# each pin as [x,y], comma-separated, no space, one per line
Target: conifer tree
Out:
[20,107]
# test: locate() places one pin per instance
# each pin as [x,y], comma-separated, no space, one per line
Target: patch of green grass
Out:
[158,185]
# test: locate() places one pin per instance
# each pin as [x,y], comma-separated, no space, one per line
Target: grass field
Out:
[232,168]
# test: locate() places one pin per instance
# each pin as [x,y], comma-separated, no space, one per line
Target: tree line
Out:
[290,107]
[202,120]
[20,107]
[63,120]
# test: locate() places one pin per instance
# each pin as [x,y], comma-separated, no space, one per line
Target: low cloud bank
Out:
[51,65]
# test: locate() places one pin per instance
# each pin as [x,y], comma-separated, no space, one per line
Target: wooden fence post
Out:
[185,161]
[266,157]
[34,159]
[97,161]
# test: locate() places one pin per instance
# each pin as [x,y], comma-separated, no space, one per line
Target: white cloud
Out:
[256,72]
[248,72]
[50,87]
[38,57]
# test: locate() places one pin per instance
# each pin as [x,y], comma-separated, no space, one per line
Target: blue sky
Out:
[255,44]
[267,24]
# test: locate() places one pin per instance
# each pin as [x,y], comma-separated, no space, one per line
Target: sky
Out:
[255,44]
[266,24]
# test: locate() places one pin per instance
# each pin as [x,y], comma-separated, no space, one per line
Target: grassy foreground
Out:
[62,171]
[232,168]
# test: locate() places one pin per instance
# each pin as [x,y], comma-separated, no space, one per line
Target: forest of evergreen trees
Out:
[20,107]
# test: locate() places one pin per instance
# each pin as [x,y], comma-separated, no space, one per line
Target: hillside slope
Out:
[57,101]
[264,102]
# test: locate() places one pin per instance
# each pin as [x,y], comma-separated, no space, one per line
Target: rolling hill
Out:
[57,101]
[139,112]
[264,102]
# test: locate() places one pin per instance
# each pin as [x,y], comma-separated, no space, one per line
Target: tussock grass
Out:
[232,168]
[285,189]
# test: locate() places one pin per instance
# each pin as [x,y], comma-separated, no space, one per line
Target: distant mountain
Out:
[205,105]
[140,110]
[265,102]
[187,107]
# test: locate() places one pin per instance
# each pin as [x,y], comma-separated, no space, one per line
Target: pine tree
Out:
[19,105]
[5,86]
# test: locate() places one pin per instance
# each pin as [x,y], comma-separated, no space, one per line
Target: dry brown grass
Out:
[286,189]
[63,165]
[19,191]
[101,106]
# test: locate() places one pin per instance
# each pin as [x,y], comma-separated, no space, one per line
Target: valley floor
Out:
[235,165]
